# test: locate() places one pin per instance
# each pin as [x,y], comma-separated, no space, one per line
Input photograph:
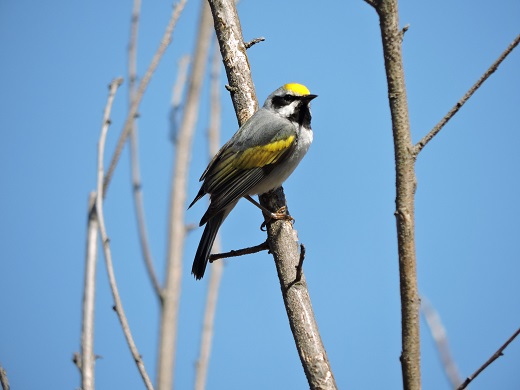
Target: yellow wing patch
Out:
[298,89]
[260,156]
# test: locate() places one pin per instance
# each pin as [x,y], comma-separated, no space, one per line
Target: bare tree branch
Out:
[134,155]
[208,322]
[283,244]
[494,357]
[281,236]
[239,252]
[405,191]
[433,320]
[177,229]
[106,245]
[217,269]
[233,51]
[140,215]
[3,379]
[87,358]
[428,137]
[405,155]
[177,91]
[166,39]
[132,48]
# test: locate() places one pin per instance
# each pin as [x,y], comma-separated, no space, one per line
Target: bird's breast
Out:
[279,174]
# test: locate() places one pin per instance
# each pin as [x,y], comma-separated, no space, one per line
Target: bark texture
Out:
[392,37]
[282,238]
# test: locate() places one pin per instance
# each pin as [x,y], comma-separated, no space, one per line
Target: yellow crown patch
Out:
[298,89]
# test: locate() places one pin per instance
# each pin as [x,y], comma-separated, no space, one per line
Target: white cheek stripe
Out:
[288,110]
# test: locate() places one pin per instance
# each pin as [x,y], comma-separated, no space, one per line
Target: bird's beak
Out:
[309,97]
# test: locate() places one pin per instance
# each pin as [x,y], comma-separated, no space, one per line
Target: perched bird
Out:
[257,159]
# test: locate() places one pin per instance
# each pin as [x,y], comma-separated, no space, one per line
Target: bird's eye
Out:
[283,100]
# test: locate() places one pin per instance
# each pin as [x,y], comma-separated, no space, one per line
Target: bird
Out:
[257,159]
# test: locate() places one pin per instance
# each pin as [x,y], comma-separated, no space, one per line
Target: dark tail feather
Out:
[200,194]
[206,242]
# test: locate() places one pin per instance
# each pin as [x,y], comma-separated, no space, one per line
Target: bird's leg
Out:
[281,213]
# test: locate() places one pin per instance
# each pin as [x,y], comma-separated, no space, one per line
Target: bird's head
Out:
[290,101]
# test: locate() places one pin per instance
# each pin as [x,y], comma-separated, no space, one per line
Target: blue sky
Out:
[57,59]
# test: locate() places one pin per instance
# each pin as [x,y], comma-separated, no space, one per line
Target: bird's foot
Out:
[280,214]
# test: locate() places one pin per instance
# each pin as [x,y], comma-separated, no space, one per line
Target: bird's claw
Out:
[280,214]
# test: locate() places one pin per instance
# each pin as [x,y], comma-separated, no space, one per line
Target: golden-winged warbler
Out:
[257,159]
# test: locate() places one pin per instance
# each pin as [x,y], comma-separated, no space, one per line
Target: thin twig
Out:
[3,379]
[86,360]
[253,42]
[230,88]
[76,359]
[165,41]
[177,92]
[132,47]
[134,156]
[428,137]
[299,267]
[433,320]
[106,244]
[141,219]
[178,193]
[201,373]
[494,357]
[239,252]
[404,30]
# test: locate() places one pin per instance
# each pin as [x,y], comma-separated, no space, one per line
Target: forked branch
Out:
[106,244]
[391,36]
[165,41]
